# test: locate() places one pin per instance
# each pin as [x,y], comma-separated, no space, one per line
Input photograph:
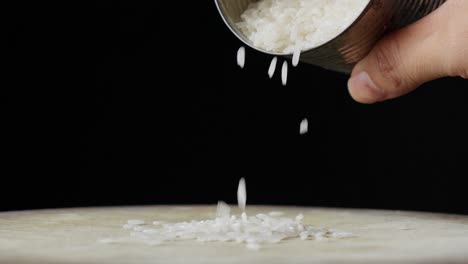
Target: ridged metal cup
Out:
[345,50]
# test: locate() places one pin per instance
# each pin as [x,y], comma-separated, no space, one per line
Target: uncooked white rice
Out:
[251,230]
[241,194]
[223,210]
[279,25]
[296,56]
[275,213]
[284,73]
[271,70]
[241,57]
[304,127]
[135,222]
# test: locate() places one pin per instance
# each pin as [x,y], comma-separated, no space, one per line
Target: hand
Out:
[435,46]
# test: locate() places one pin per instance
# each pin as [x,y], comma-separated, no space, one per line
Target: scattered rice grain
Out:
[135,222]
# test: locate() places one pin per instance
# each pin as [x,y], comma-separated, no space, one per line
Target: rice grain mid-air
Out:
[284,73]
[271,70]
[241,57]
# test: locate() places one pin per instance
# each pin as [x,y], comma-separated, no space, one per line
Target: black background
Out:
[124,103]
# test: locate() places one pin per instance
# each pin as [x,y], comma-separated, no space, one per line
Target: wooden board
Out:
[71,236]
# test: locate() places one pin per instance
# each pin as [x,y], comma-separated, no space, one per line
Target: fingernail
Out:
[364,90]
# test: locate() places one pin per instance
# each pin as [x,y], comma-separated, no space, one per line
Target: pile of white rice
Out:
[284,26]
[251,230]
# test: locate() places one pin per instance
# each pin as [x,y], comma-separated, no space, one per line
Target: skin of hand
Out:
[434,47]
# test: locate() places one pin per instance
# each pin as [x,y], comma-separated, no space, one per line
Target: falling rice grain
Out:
[241,194]
[284,73]
[304,127]
[241,57]
[296,55]
[271,70]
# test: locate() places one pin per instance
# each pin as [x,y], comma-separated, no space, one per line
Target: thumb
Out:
[400,62]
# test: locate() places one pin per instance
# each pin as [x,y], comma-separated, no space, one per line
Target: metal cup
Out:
[344,51]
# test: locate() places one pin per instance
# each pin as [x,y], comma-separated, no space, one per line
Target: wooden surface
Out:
[72,236]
